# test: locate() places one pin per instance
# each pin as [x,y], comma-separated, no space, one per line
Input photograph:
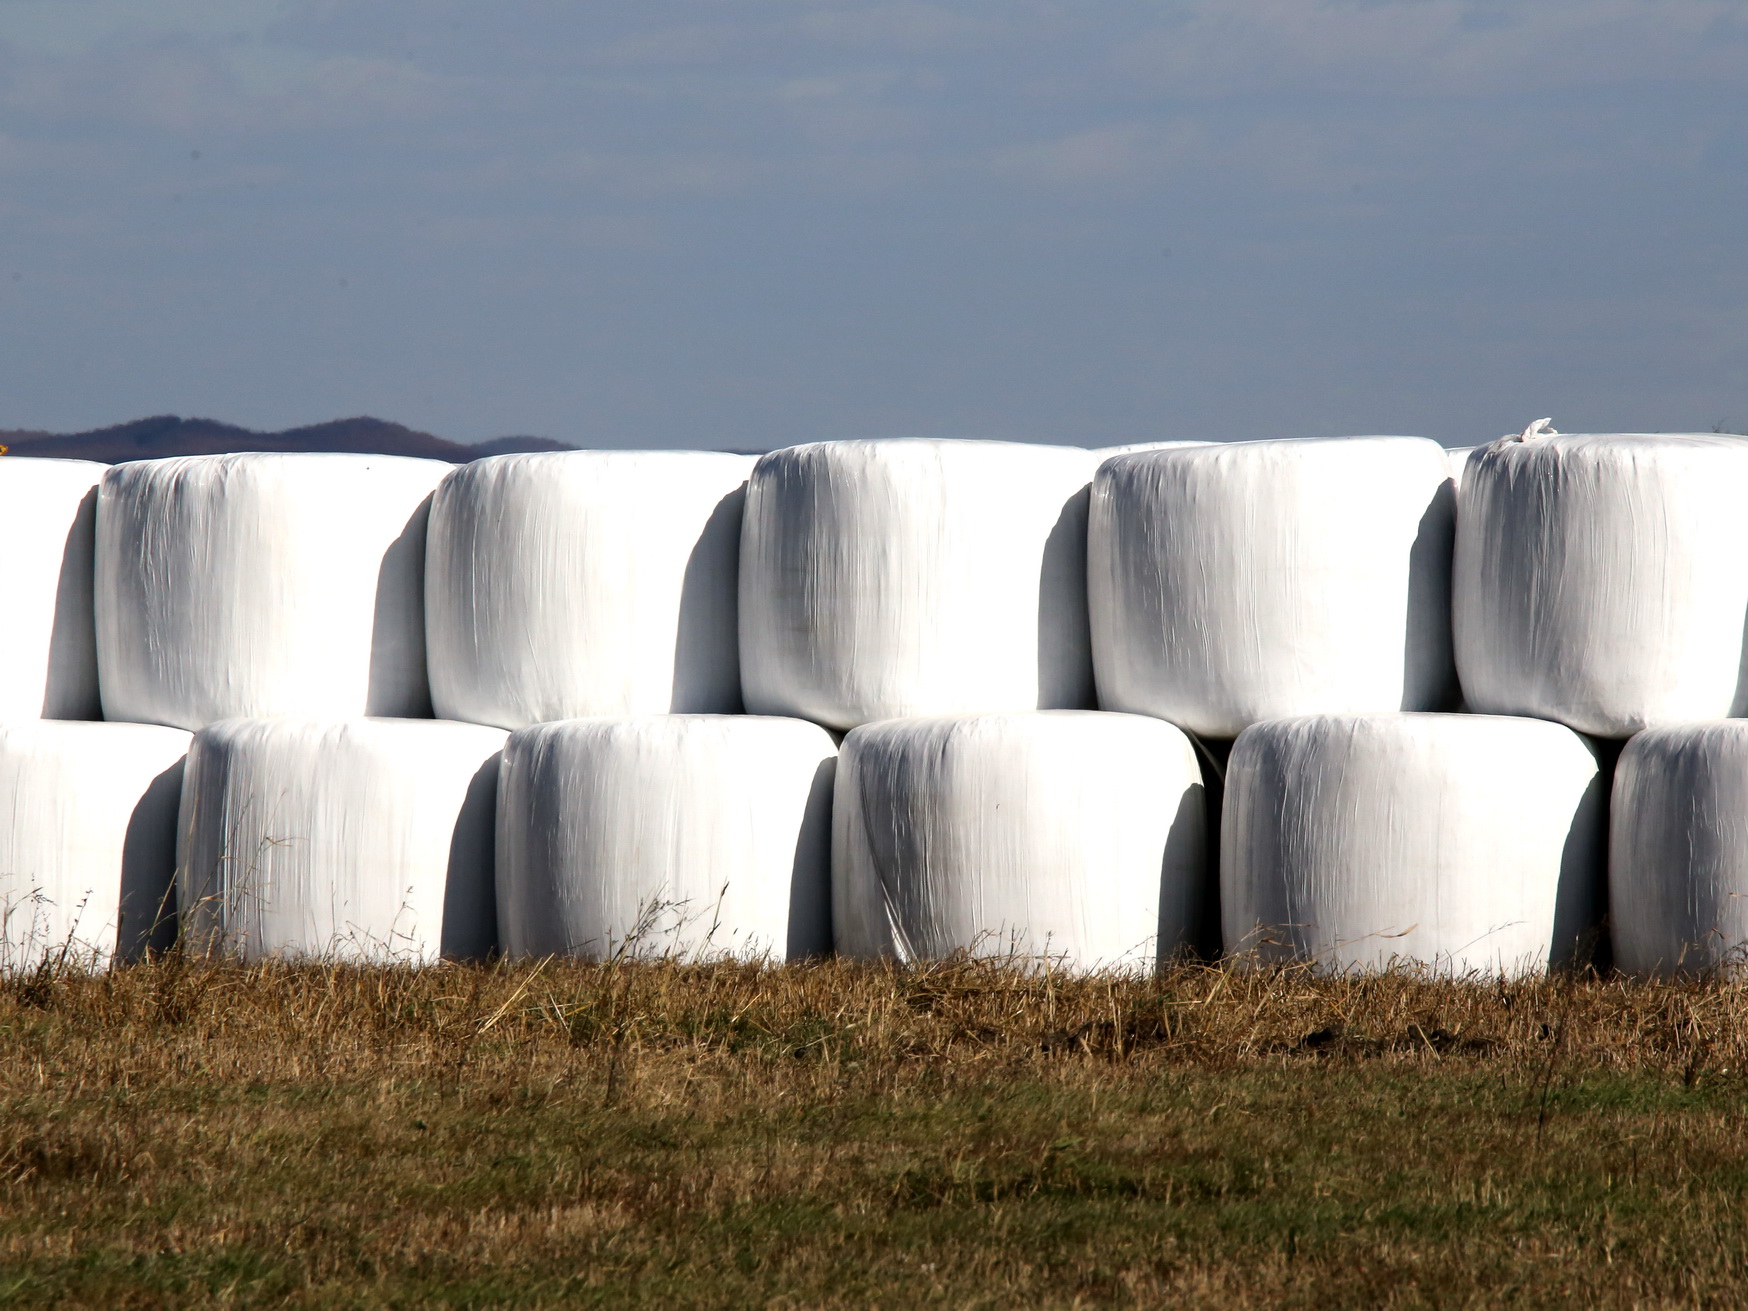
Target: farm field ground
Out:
[194,1134]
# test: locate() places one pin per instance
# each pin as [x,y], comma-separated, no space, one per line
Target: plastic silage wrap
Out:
[1464,843]
[697,836]
[87,839]
[48,661]
[1106,452]
[263,584]
[1678,858]
[1071,835]
[1459,457]
[1602,580]
[884,578]
[585,583]
[1246,581]
[359,839]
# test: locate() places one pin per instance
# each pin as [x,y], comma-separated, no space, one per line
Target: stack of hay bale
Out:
[1353,701]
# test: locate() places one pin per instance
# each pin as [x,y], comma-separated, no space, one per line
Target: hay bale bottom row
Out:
[1462,843]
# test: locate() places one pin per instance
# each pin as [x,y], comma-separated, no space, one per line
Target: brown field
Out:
[187,1133]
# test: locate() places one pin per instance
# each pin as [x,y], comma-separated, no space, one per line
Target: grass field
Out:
[196,1134]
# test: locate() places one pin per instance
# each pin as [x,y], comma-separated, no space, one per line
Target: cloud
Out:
[349,88]
[681,45]
[850,110]
[67,27]
[631,176]
[1137,152]
[1436,47]
[509,232]
[910,28]
[185,84]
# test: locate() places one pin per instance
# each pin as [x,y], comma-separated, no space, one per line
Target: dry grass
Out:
[196,1134]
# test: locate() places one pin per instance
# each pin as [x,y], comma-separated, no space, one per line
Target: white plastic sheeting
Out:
[1678,855]
[1106,452]
[48,660]
[585,583]
[694,836]
[262,584]
[1253,580]
[1602,580]
[87,839]
[355,839]
[1464,843]
[1459,457]
[885,578]
[1069,835]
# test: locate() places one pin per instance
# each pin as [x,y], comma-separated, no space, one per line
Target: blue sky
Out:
[747,223]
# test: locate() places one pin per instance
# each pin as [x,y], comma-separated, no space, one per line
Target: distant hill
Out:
[168,434]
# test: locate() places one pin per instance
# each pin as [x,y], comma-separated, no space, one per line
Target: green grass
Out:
[185,1134]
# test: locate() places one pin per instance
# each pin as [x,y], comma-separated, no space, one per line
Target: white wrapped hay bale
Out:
[87,839]
[1073,836]
[1602,580]
[1463,843]
[48,661]
[356,839]
[1253,580]
[1129,448]
[1678,855]
[585,583]
[884,578]
[263,584]
[1459,457]
[696,836]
